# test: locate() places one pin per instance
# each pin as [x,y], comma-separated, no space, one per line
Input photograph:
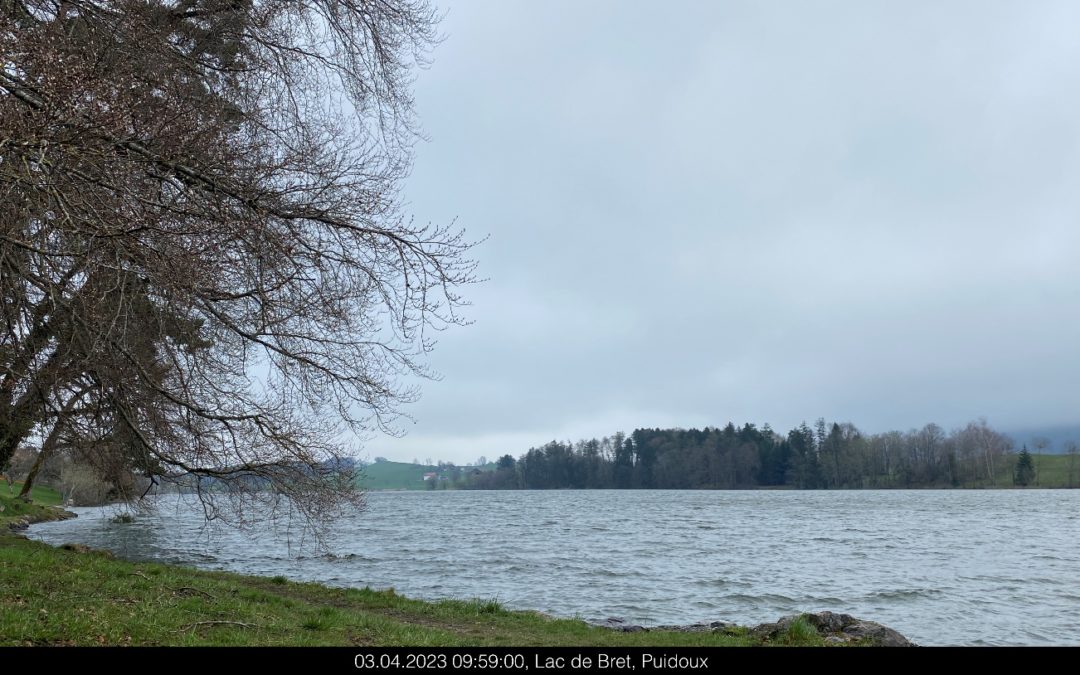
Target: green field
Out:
[40,495]
[1054,471]
[404,476]
[1051,471]
[394,476]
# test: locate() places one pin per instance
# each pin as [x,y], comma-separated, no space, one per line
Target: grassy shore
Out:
[40,509]
[42,496]
[55,596]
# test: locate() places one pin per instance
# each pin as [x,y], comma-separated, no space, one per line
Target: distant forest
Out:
[825,456]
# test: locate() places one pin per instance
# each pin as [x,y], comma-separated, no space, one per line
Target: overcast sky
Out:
[752,211]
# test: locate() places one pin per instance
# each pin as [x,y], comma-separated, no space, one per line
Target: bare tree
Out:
[1073,450]
[1041,444]
[206,274]
[80,486]
[989,445]
[18,466]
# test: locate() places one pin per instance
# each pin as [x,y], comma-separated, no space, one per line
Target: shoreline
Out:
[74,595]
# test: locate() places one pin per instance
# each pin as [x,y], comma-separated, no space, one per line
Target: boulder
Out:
[837,629]
[83,548]
[615,623]
[704,627]
[834,628]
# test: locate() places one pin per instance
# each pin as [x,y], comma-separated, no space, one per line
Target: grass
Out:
[403,476]
[41,495]
[1056,471]
[41,509]
[800,632]
[394,476]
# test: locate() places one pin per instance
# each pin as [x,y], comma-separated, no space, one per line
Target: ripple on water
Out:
[903,594]
[764,597]
[611,574]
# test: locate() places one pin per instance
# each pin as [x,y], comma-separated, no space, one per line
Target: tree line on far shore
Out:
[825,456]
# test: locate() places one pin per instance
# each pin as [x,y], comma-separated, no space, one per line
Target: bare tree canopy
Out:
[206,274]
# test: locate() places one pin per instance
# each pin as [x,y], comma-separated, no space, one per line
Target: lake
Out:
[967,567]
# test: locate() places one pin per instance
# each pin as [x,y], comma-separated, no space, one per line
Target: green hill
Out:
[394,476]
[386,475]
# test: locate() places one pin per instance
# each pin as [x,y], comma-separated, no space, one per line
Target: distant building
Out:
[430,475]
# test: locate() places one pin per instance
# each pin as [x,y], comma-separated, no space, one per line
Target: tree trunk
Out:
[28,482]
[46,449]
[9,443]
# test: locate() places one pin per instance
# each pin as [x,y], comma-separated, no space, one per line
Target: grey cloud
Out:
[753,211]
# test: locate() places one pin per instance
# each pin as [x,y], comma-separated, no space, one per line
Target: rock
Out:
[615,623]
[837,629]
[877,634]
[58,513]
[828,622]
[692,628]
[82,548]
[703,627]
[768,631]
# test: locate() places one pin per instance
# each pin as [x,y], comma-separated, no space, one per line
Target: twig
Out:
[193,626]
[188,589]
[177,589]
